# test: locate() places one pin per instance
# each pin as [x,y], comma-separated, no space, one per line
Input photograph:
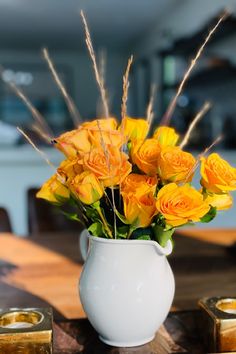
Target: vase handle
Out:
[84,244]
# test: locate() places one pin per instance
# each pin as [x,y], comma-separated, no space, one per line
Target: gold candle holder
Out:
[26,331]
[219,324]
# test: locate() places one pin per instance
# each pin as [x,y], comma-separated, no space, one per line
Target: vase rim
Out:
[161,250]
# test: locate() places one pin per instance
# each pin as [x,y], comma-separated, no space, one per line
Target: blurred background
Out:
[163,36]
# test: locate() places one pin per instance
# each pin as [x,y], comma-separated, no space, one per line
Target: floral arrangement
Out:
[126,183]
[149,177]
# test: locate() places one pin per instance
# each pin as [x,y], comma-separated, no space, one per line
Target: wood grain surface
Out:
[44,270]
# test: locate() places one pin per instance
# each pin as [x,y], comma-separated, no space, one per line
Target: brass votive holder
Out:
[219,324]
[27,331]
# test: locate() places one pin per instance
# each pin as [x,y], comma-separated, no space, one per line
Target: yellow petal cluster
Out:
[166,136]
[181,204]
[175,165]
[218,176]
[73,143]
[219,201]
[134,182]
[145,154]
[134,129]
[86,188]
[54,191]
[139,209]
[110,166]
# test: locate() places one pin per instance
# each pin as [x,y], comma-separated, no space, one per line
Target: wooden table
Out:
[44,270]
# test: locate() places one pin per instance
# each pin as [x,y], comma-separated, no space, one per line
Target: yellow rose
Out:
[73,143]
[217,174]
[86,188]
[133,128]
[54,191]
[145,154]
[175,165]
[68,169]
[219,201]
[135,182]
[103,132]
[139,209]
[110,166]
[181,204]
[166,136]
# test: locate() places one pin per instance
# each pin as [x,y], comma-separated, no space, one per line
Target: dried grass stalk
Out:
[42,125]
[40,133]
[40,152]
[215,142]
[150,112]
[99,79]
[102,60]
[69,102]
[126,88]
[199,115]
[170,109]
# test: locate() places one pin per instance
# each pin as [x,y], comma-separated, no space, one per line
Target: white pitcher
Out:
[126,288]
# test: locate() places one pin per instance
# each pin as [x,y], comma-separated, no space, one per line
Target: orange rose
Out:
[166,136]
[68,169]
[145,155]
[219,201]
[175,165]
[217,174]
[110,166]
[104,123]
[103,132]
[54,191]
[86,188]
[135,182]
[133,128]
[181,204]
[139,209]
[73,143]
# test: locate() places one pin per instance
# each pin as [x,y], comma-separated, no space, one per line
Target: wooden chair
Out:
[5,224]
[44,217]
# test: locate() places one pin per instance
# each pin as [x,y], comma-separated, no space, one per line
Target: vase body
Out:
[126,289]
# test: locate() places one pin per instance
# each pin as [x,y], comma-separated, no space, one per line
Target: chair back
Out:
[45,217]
[5,223]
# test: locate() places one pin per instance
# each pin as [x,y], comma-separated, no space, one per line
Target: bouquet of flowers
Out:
[126,183]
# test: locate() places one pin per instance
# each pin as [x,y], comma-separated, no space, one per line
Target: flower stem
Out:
[97,207]
[131,229]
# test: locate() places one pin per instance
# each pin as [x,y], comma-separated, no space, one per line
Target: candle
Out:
[18,325]
[232,311]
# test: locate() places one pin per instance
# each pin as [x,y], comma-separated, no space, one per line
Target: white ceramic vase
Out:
[126,288]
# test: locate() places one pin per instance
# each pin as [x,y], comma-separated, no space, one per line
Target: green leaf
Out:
[121,217]
[61,200]
[210,215]
[162,235]
[96,229]
[144,237]
[142,233]
[92,214]
[122,231]
[71,216]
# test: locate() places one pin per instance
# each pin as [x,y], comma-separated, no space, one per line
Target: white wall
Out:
[21,169]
